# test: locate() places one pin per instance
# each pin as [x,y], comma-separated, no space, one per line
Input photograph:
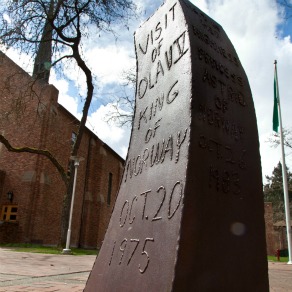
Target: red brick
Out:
[270,235]
[38,121]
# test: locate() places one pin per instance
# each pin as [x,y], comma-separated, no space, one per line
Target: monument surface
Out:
[189,215]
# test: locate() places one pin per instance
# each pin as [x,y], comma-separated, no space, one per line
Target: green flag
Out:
[275,113]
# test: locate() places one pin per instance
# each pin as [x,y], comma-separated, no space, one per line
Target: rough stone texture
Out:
[189,214]
[37,120]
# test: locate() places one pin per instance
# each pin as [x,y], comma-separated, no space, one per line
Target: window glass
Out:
[9,213]
[73,138]
[109,190]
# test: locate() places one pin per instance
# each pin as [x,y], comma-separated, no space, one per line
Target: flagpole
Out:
[284,172]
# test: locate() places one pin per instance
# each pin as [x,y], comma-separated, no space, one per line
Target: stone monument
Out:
[189,215]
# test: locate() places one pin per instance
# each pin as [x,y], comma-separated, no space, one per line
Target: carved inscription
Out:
[217,120]
[129,248]
[226,181]
[162,63]
[212,44]
[155,33]
[210,27]
[140,207]
[228,93]
[219,67]
[160,144]
[223,152]
[150,111]
[228,161]
[166,149]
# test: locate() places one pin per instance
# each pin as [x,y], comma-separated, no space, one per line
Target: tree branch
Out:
[45,153]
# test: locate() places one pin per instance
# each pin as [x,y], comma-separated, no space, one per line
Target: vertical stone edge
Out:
[184,272]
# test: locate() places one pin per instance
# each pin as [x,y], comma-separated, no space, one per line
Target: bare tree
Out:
[64,25]
[122,108]
[274,139]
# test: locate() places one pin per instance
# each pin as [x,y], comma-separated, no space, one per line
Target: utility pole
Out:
[77,160]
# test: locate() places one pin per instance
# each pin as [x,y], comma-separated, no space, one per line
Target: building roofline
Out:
[92,133]
[44,83]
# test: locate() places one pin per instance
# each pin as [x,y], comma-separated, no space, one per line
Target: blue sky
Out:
[260,34]
[286,26]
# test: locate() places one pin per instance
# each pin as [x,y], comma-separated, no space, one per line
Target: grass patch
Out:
[274,259]
[36,248]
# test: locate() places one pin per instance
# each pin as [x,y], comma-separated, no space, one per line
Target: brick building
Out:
[276,233]
[270,234]
[31,116]
[280,232]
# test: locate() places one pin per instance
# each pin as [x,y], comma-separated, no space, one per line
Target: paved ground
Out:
[20,271]
[29,272]
[280,276]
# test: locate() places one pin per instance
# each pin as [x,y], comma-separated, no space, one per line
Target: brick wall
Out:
[270,235]
[31,116]
[2,178]
[9,232]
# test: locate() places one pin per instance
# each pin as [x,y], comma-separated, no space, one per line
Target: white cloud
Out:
[116,137]
[7,18]
[20,58]
[109,62]
[201,4]
[69,102]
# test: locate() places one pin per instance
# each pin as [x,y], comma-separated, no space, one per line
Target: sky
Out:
[260,34]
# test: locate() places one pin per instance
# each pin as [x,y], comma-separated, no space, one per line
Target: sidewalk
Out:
[31,272]
[21,271]
[280,277]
